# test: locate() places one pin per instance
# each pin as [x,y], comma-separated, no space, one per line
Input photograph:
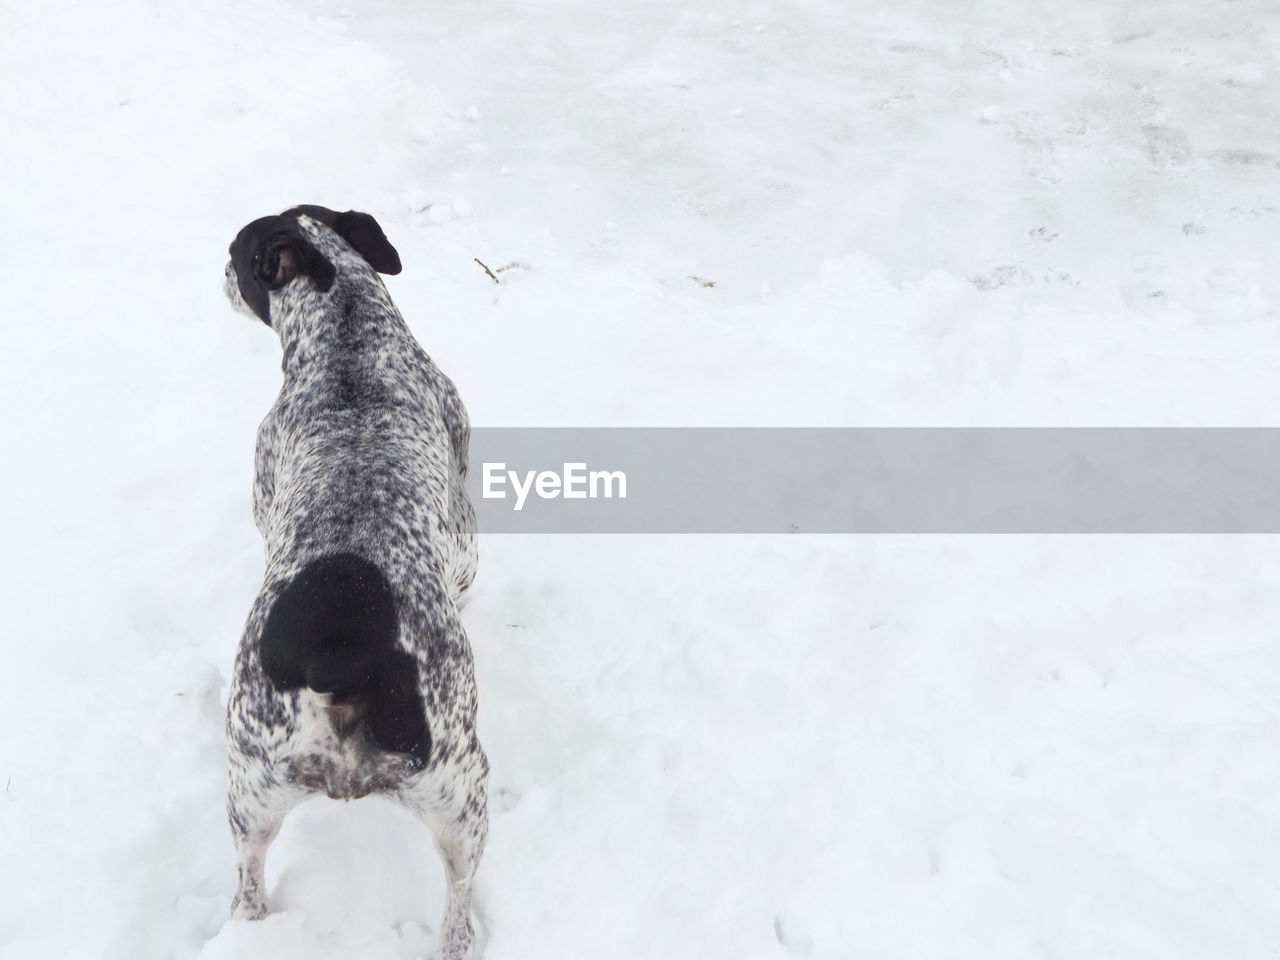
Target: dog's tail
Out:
[334,629]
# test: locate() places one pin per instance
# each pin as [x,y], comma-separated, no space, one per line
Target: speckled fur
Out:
[364,452]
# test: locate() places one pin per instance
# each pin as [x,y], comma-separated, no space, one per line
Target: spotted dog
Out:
[354,675]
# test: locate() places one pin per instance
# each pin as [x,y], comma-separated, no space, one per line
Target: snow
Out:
[1007,214]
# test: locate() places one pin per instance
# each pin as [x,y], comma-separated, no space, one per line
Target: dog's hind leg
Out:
[256,808]
[454,807]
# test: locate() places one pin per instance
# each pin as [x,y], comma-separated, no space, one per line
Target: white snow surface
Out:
[795,212]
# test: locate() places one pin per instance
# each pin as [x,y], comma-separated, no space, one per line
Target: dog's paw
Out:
[242,909]
[458,943]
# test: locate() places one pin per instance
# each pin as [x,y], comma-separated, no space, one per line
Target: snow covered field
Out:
[919,213]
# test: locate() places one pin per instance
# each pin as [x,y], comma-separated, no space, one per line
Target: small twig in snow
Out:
[485,268]
[492,276]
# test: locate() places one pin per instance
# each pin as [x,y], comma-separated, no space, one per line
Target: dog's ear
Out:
[268,254]
[285,255]
[361,231]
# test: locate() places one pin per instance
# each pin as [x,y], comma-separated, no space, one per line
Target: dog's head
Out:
[273,252]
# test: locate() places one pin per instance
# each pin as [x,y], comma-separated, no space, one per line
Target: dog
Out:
[354,675]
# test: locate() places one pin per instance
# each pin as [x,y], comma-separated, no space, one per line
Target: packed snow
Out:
[783,213]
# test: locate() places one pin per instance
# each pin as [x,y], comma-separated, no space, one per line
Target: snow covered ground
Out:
[923,213]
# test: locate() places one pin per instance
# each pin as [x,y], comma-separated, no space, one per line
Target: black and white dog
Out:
[354,675]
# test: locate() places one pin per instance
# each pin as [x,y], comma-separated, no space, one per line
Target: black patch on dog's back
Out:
[334,629]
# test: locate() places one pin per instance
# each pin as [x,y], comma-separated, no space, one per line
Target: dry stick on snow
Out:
[492,276]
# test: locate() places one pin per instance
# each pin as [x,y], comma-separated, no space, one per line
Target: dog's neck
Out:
[316,327]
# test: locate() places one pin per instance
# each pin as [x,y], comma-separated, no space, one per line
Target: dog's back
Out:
[365,449]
